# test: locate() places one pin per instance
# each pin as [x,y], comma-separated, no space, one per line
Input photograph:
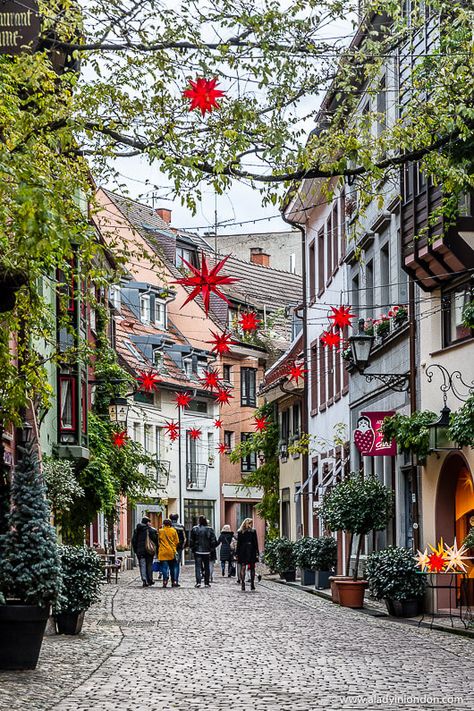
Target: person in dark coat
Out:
[225,554]
[145,557]
[202,542]
[247,552]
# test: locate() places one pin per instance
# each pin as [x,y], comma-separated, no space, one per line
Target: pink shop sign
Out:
[368,437]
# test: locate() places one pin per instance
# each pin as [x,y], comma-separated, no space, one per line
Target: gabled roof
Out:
[278,372]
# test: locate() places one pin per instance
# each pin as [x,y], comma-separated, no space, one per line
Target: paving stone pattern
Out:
[219,649]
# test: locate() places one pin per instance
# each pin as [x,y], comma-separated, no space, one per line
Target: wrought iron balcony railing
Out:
[196,476]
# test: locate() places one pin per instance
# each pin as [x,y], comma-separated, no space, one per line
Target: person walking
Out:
[202,542]
[180,530]
[168,542]
[145,544]
[225,554]
[247,551]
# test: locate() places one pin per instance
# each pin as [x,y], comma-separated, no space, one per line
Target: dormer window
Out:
[145,308]
[115,296]
[188,254]
[160,314]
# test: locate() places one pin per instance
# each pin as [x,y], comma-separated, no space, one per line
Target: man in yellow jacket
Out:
[168,542]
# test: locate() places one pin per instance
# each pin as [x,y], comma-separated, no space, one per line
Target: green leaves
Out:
[316,553]
[392,573]
[462,424]
[82,573]
[410,432]
[357,505]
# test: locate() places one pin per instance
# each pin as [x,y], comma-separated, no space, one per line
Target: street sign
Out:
[20,26]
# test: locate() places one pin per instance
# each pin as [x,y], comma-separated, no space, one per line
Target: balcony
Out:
[196,476]
[161,469]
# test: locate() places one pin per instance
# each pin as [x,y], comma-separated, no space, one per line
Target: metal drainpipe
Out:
[413,399]
[307,500]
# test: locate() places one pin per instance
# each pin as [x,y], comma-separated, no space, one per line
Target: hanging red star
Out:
[222,448]
[203,95]
[205,282]
[248,321]
[148,381]
[195,433]
[223,396]
[295,372]
[218,423]
[119,438]
[221,343]
[211,379]
[330,339]
[341,316]
[183,399]
[172,429]
[261,424]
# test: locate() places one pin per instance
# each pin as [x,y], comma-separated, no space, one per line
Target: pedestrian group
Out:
[240,551]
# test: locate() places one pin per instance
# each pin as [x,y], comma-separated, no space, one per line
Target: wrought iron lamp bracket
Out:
[399,382]
[451,382]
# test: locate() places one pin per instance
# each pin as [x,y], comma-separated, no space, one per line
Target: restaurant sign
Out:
[20,26]
[368,437]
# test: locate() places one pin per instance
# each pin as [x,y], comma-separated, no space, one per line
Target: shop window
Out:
[67,403]
[248,387]
[453,303]
[248,463]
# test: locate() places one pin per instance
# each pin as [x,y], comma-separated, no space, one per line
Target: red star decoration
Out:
[436,563]
[205,281]
[261,424]
[341,316]
[330,338]
[183,399]
[223,396]
[248,321]
[172,429]
[295,372]
[222,448]
[203,95]
[211,379]
[218,424]
[119,438]
[148,381]
[221,343]
[195,433]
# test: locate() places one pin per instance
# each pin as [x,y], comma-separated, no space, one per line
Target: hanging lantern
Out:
[172,429]
[249,321]
[218,423]
[331,339]
[203,95]
[261,424]
[205,282]
[148,382]
[439,435]
[211,379]
[222,448]
[118,411]
[183,399]
[195,433]
[119,438]
[221,343]
[341,316]
[295,372]
[223,396]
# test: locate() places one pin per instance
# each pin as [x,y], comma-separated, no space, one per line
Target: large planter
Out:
[334,589]
[321,579]
[351,592]
[307,576]
[21,634]
[69,622]
[403,608]
[289,576]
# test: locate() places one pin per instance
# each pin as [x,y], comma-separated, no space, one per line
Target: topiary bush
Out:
[29,561]
[316,553]
[280,555]
[81,577]
[392,573]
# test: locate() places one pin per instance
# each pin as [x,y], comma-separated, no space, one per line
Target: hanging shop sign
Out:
[19,26]
[368,436]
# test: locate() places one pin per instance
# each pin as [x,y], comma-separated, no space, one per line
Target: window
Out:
[382,108]
[335,237]
[158,357]
[248,387]
[329,254]
[160,314]
[355,294]
[136,353]
[145,308]
[453,303]
[158,441]
[227,373]
[330,367]
[115,296]
[191,450]
[229,440]
[198,406]
[137,436]
[285,426]
[248,463]
[148,439]
[314,376]
[296,420]
[321,261]
[244,511]
[385,277]
[211,454]
[312,269]
[322,375]
[408,182]
[292,263]
[337,371]
[285,513]
[369,288]
[188,254]
[67,403]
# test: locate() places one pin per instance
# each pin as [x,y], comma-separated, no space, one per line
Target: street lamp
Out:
[440,439]
[118,411]
[361,347]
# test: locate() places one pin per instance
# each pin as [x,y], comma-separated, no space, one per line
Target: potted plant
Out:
[29,568]
[280,556]
[394,577]
[304,551]
[357,506]
[81,577]
[369,326]
[382,326]
[399,314]
[324,561]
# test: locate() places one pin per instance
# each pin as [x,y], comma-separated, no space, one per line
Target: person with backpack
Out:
[225,554]
[247,551]
[145,545]
[180,530]
[168,544]
[203,543]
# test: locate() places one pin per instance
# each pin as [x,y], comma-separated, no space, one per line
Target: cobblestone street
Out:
[273,650]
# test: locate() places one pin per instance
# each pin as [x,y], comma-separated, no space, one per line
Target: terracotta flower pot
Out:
[351,592]
[333,579]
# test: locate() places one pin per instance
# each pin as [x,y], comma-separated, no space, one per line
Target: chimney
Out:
[258,256]
[164,213]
